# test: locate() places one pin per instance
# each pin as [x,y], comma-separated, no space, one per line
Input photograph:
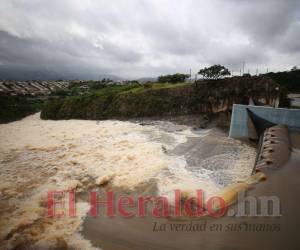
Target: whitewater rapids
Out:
[37,156]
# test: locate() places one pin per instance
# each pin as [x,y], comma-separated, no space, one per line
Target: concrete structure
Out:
[240,129]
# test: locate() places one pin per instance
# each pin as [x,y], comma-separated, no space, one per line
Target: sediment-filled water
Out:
[38,156]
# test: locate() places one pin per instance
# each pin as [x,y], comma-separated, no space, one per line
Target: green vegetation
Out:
[101,101]
[115,89]
[289,80]
[176,78]
[15,108]
[60,92]
[159,99]
[214,72]
[115,101]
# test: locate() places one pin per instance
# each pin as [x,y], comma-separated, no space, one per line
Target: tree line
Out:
[210,73]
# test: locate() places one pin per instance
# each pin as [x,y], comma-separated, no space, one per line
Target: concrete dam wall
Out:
[241,127]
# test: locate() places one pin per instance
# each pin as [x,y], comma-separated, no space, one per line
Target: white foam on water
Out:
[38,156]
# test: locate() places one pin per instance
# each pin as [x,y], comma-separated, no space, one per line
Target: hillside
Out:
[14,108]
[162,99]
[290,80]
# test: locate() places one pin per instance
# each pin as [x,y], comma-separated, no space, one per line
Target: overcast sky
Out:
[137,38]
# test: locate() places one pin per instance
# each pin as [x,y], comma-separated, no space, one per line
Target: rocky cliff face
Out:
[203,97]
[222,94]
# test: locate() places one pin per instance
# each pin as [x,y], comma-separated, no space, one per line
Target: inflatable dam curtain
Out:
[274,147]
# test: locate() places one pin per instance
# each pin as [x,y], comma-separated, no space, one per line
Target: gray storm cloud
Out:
[146,38]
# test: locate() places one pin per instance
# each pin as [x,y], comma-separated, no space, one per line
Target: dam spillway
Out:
[241,127]
[272,128]
[275,148]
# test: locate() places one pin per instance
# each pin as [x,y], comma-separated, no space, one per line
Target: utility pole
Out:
[244,67]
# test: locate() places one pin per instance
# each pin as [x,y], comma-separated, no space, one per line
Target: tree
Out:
[214,72]
[104,80]
[294,68]
[176,78]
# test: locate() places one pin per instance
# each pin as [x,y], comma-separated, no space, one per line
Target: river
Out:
[38,156]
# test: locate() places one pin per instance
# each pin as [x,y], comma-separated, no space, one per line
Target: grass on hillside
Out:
[135,88]
[113,101]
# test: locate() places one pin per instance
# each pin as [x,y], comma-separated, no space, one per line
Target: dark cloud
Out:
[147,38]
[289,43]
[267,19]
